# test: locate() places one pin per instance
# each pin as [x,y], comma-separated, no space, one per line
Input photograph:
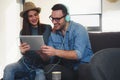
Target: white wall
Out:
[111,16]
[9,31]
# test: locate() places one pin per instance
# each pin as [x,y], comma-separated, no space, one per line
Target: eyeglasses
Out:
[56,19]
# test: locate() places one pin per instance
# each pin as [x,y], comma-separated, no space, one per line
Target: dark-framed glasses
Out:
[56,19]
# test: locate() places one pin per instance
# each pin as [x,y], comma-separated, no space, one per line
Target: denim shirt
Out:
[76,38]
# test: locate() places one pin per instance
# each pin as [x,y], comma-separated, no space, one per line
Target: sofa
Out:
[99,41]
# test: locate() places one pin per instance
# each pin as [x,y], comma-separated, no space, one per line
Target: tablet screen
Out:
[35,42]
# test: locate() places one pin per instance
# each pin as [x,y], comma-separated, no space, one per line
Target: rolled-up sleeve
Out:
[81,42]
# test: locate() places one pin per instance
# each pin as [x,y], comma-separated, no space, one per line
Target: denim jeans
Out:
[14,70]
[40,75]
[18,71]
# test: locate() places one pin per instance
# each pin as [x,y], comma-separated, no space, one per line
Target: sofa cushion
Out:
[104,40]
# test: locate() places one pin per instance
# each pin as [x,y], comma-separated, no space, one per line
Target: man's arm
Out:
[66,54]
[50,51]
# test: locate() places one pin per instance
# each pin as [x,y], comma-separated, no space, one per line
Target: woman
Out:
[31,61]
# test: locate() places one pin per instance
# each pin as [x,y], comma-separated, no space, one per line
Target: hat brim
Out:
[37,9]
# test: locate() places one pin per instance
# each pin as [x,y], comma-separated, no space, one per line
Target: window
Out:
[85,12]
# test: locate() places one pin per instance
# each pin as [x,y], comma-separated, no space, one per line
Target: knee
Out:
[9,68]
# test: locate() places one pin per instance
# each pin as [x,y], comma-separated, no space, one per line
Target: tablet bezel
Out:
[35,41]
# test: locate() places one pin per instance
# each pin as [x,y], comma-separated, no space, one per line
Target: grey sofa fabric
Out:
[105,64]
[104,40]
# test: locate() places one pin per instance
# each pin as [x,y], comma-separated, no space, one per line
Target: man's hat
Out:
[29,6]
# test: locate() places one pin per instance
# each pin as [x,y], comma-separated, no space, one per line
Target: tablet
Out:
[35,42]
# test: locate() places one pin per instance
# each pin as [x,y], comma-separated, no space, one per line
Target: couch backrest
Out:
[104,40]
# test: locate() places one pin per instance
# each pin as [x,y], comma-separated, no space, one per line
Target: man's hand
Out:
[50,51]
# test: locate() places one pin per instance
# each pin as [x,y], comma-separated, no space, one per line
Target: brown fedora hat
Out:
[29,6]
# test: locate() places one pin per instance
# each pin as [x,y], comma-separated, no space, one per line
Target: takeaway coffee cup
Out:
[56,75]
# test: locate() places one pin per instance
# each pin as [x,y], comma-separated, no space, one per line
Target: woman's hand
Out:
[24,47]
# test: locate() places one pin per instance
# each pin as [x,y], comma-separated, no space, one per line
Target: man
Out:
[69,43]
